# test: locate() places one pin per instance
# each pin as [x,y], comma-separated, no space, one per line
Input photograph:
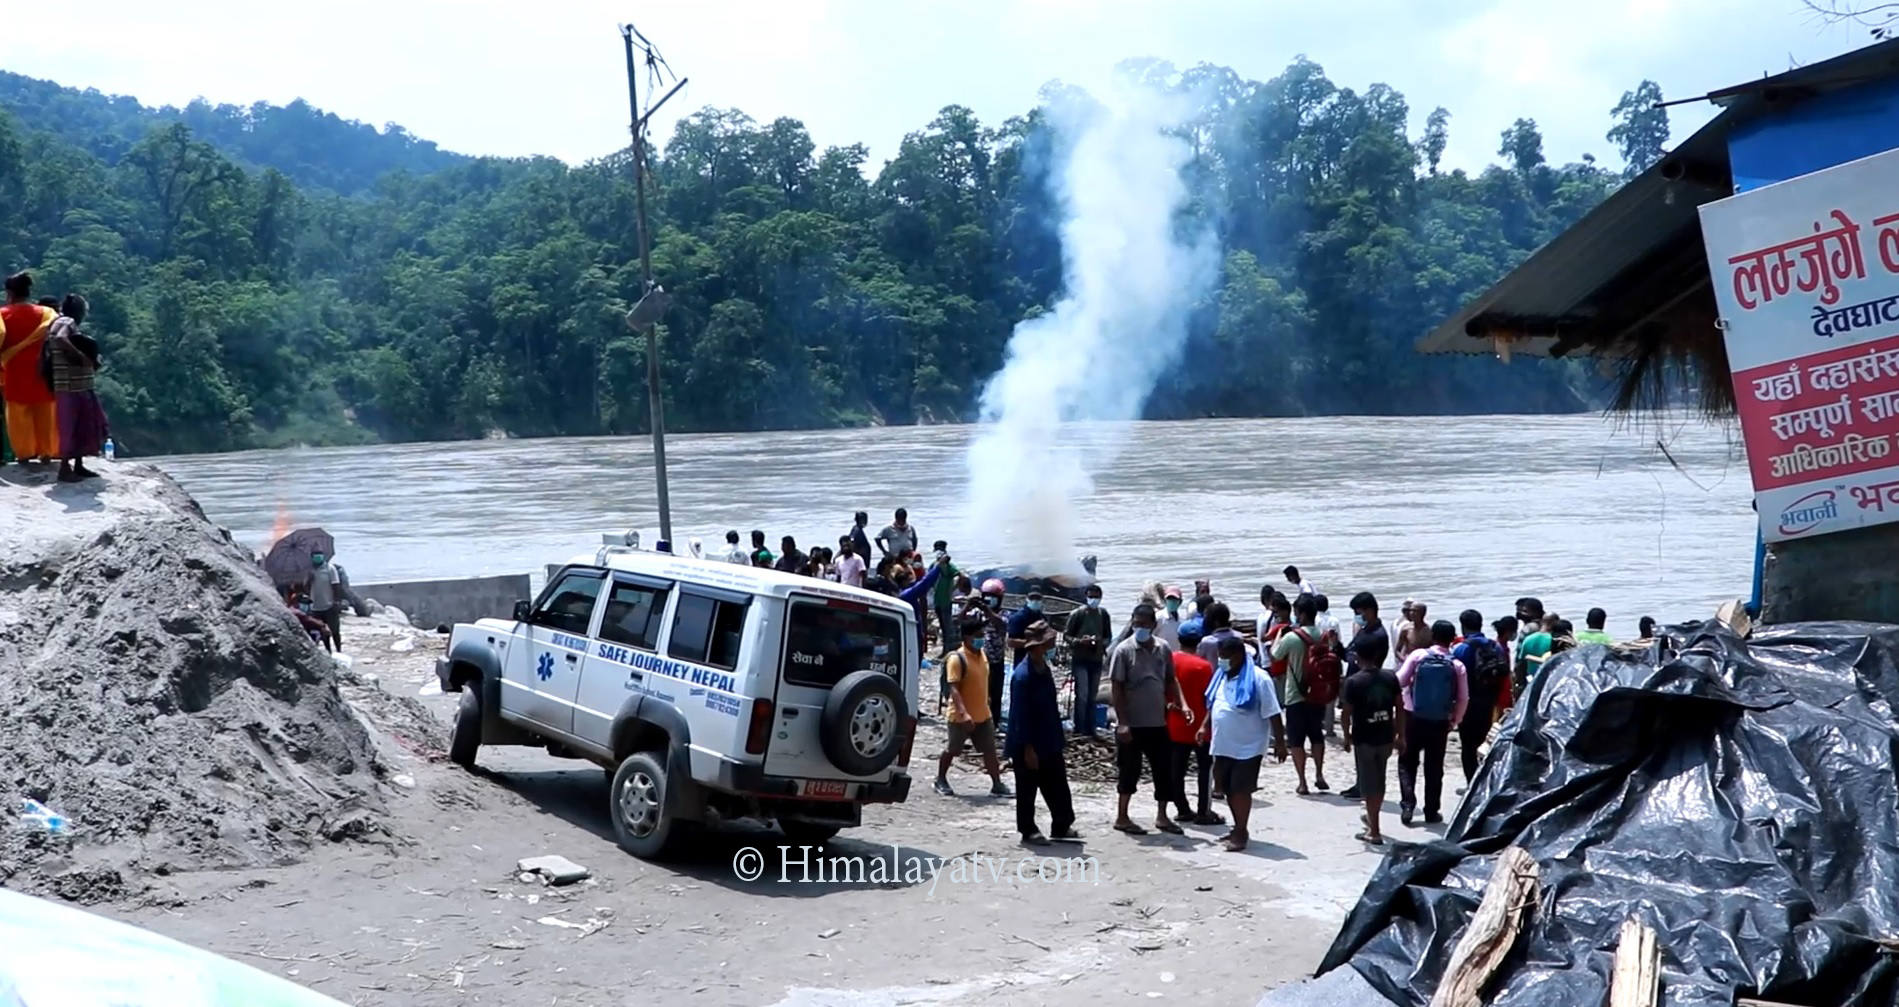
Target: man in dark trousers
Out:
[1088,631]
[1034,742]
[1144,690]
[1487,670]
[1370,647]
[1436,695]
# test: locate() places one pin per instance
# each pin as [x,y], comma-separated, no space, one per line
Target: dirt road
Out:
[447,921]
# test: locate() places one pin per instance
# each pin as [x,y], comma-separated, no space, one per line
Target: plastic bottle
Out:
[109,451]
[37,817]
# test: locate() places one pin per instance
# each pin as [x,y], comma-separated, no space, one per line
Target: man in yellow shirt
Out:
[969,719]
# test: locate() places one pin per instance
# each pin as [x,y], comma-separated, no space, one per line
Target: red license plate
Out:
[828,790]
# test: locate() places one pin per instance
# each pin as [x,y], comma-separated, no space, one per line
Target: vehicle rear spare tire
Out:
[862,728]
[465,738]
[643,820]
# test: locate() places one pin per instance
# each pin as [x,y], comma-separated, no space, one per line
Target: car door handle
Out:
[636,676]
[571,658]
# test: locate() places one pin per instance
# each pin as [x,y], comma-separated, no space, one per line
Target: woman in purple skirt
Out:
[73,359]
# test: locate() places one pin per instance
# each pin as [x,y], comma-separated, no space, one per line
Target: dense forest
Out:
[275,275]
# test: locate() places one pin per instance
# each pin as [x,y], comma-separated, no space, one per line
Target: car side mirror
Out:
[521,609]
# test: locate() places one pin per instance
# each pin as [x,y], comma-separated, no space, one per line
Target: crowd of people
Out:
[1189,690]
[47,368]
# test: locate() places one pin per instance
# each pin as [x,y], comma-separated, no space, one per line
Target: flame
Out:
[281,526]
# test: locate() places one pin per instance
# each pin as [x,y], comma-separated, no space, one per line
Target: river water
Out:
[1458,511]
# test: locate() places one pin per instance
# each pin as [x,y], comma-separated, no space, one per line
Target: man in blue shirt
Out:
[1487,669]
[1034,742]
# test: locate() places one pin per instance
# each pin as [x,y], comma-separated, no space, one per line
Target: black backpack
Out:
[1488,668]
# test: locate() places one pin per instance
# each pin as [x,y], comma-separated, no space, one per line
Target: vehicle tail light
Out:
[760,729]
[909,738]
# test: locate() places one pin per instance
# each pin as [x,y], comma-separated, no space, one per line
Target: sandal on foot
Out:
[1171,828]
[1370,840]
[1303,792]
[1208,818]
[1130,828]
[1234,845]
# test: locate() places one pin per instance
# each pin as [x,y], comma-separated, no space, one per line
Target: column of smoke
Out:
[1131,274]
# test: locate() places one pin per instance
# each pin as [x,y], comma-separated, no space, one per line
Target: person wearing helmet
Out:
[986,604]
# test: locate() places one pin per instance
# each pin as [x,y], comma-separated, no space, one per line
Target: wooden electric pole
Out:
[653,301]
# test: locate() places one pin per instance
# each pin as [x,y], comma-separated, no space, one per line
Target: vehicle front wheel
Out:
[807,833]
[642,822]
[465,739]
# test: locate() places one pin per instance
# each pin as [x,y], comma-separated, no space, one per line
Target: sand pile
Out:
[158,695]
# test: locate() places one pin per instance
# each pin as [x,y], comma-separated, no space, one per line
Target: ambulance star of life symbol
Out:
[546,669]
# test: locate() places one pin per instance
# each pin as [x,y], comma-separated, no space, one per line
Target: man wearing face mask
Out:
[326,596]
[1087,633]
[1169,627]
[1019,623]
[969,717]
[1370,646]
[1144,690]
[988,608]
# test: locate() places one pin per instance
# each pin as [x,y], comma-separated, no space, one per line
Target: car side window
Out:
[707,631]
[568,608]
[633,615]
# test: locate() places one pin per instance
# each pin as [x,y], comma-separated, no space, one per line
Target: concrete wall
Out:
[1849,575]
[429,603]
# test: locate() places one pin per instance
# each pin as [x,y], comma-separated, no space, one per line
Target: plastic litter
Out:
[1735,795]
[37,817]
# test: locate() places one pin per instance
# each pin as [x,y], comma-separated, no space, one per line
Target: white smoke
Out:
[1131,274]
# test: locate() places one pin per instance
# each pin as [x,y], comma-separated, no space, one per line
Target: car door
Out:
[827,639]
[622,659]
[705,645]
[542,678]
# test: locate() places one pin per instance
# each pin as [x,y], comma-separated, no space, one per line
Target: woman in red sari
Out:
[31,419]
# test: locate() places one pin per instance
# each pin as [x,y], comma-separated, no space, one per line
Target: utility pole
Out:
[653,301]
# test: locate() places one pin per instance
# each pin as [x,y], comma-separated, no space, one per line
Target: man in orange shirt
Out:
[30,414]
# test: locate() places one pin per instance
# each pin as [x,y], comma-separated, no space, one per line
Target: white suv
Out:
[710,691]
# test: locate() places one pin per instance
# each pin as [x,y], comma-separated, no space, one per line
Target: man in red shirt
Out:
[1195,674]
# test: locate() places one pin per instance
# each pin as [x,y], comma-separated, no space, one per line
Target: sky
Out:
[508,78]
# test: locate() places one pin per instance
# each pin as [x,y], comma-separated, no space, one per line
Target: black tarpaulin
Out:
[1736,795]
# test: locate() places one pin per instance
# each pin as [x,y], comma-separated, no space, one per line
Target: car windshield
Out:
[826,642]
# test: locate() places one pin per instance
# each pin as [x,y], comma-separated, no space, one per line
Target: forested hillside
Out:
[252,287]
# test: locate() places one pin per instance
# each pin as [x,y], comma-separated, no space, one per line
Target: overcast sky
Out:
[512,78]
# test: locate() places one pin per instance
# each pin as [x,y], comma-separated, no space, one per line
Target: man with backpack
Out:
[1309,685]
[1436,695]
[1487,671]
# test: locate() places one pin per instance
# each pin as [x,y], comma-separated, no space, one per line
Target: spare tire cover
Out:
[862,729]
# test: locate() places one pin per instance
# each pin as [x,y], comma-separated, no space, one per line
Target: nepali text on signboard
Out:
[1806,275]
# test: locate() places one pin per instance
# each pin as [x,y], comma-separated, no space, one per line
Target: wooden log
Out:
[1637,980]
[1508,897]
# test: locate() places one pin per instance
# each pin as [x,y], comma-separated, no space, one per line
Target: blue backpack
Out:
[1434,688]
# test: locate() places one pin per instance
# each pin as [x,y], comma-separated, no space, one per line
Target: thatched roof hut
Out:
[1630,282]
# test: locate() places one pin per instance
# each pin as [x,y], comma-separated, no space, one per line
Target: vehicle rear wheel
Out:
[465,739]
[808,833]
[642,821]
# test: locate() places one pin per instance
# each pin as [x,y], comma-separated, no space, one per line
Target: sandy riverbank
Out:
[446,921]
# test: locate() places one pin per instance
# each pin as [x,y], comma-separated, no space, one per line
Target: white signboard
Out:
[1806,275]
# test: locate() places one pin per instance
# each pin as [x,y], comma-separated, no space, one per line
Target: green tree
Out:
[1641,127]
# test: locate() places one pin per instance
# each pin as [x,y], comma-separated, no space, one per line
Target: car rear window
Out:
[827,642]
